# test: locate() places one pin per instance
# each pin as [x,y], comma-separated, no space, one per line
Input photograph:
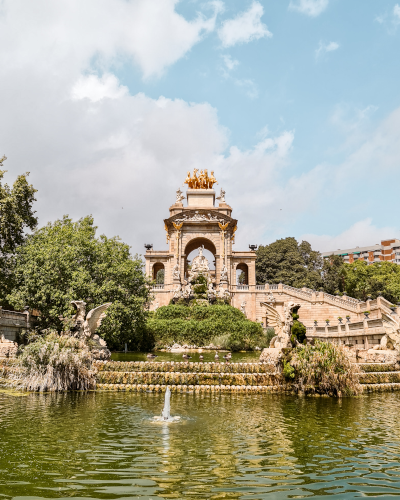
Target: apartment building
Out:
[387,250]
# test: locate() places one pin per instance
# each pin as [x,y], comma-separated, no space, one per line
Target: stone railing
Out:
[158,287]
[242,287]
[298,291]
[335,300]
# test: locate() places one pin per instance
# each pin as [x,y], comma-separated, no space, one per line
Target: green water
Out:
[104,446]
[237,357]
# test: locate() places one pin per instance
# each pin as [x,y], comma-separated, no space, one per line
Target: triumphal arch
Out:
[202,222]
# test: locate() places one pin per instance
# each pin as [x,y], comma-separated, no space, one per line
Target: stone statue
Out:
[224,273]
[179,196]
[200,263]
[223,293]
[243,307]
[176,275]
[187,290]
[85,326]
[211,292]
[156,306]
[178,291]
[270,297]
[281,324]
[221,197]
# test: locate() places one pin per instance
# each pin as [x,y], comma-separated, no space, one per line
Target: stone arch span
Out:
[193,245]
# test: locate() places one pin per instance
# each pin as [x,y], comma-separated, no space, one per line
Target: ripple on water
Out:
[103,446]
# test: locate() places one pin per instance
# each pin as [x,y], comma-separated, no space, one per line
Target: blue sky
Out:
[294,104]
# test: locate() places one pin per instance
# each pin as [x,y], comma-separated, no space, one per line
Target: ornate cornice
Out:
[200,216]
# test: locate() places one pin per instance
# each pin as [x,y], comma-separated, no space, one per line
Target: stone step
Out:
[378,367]
[196,388]
[381,387]
[179,378]
[380,378]
[183,367]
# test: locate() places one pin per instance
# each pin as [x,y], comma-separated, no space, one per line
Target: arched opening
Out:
[159,273]
[242,274]
[209,252]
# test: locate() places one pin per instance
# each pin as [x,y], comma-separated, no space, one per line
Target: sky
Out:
[295,105]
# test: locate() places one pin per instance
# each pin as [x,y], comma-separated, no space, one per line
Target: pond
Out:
[237,357]
[105,446]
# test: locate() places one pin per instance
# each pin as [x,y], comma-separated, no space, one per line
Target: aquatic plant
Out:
[323,368]
[55,363]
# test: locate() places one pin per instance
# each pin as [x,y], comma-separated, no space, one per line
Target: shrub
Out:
[323,368]
[199,325]
[269,335]
[55,363]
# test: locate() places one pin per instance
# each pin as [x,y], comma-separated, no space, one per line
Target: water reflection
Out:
[102,445]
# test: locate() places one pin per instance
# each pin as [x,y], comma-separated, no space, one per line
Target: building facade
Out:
[387,250]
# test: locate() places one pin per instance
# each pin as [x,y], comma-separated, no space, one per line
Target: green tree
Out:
[333,274]
[64,261]
[382,277]
[16,215]
[289,262]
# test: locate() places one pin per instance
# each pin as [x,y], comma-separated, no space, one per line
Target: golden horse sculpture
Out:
[202,181]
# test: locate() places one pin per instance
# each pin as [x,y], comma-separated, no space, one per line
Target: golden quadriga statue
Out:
[201,181]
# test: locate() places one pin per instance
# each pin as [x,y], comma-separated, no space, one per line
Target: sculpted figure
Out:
[187,290]
[221,197]
[195,180]
[212,180]
[224,273]
[281,324]
[88,326]
[175,273]
[189,181]
[200,263]
[179,196]
[85,327]
[211,292]
[205,179]
[243,307]
[178,291]
[202,180]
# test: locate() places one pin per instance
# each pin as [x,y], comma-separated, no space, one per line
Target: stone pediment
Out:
[200,216]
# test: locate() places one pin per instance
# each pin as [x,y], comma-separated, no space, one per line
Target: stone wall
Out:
[12,323]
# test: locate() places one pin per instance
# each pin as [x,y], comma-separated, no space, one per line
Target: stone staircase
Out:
[146,376]
[380,377]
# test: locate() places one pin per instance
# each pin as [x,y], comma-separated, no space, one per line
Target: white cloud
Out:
[68,35]
[362,233]
[230,63]
[245,27]
[323,48]
[249,87]
[94,88]
[396,14]
[312,8]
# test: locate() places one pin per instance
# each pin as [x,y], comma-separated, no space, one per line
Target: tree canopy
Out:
[64,261]
[289,262]
[16,215]
[380,278]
